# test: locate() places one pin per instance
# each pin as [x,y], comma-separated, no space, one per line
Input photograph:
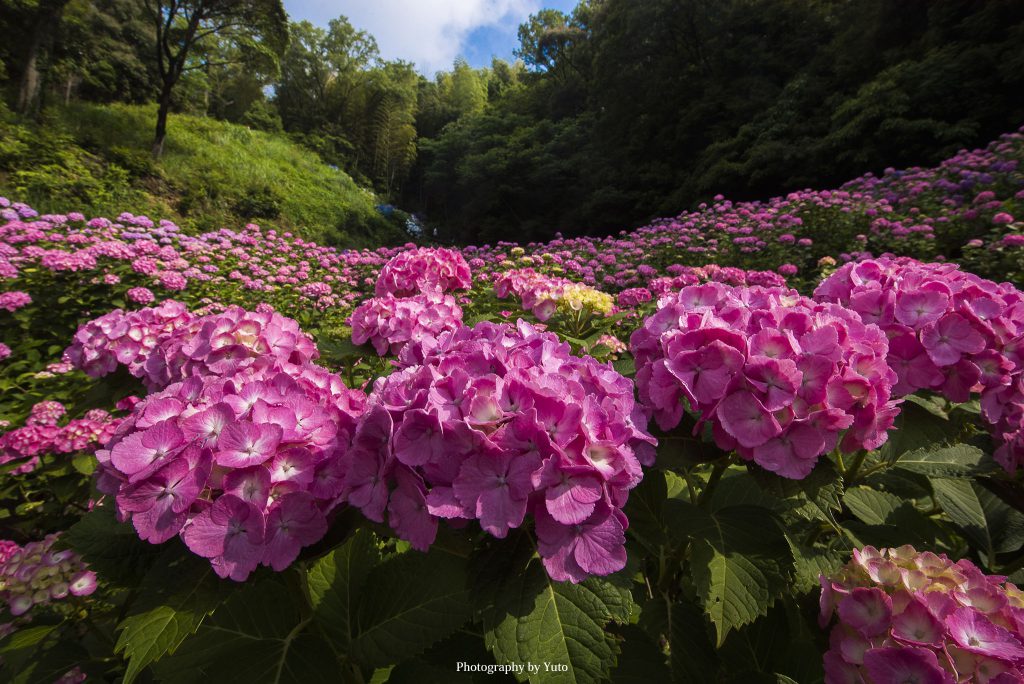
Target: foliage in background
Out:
[212,174]
[637,109]
[612,114]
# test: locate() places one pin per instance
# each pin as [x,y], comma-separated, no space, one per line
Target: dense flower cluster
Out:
[946,327]
[543,295]
[36,574]
[633,297]
[41,434]
[167,343]
[778,376]
[905,616]
[125,338]
[492,422]
[141,295]
[142,261]
[12,301]
[949,331]
[225,343]
[424,270]
[389,322]
[244,467]
[681,276]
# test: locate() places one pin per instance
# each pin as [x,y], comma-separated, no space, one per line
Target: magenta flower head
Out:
[423,270]
[633,297]
[245,467]
[141,295]
[389,323]
[12,301]
[125,338]
[910,616]
[495,423]
[166,343]
[43,433]
[780,378]
[949,331]
[223,344]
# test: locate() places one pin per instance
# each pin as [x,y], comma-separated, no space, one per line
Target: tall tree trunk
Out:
[28,94]
[161,120]
[42,40]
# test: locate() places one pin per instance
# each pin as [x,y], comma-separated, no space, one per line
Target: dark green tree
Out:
[255,30]
[32,27]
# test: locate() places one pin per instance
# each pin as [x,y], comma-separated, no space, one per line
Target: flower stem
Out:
[858,460]
[716,476]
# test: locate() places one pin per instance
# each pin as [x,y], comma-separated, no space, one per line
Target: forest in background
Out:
[616,113]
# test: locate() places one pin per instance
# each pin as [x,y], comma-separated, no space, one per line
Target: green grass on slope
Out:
[213,174]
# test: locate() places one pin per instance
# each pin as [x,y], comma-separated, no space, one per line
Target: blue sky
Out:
[432,33]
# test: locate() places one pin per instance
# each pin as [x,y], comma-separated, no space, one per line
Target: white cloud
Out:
[430,33]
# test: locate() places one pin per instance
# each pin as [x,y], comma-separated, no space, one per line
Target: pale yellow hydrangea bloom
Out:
[577,297]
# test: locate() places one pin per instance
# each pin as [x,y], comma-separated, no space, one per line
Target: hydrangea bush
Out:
[252,457]
[241,455]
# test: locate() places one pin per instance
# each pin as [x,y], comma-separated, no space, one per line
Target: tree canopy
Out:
[613,113]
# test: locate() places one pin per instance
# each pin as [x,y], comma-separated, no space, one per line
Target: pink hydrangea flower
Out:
[495,423]
[42,434]
[781,378]
[244,467]
[389,323]
[124,338]
[905,615]
[949,331]
[12,301]
[423,270]
[166,343]
[141,295]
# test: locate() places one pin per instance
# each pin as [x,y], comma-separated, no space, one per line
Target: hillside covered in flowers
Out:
[758,441]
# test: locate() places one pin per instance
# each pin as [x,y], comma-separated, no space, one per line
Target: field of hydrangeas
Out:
[774,441]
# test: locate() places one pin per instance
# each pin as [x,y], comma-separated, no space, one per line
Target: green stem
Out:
[716,477]
[690,486]
[839,461]
[661,566]
[874,469]
[92,627]
[858,460]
